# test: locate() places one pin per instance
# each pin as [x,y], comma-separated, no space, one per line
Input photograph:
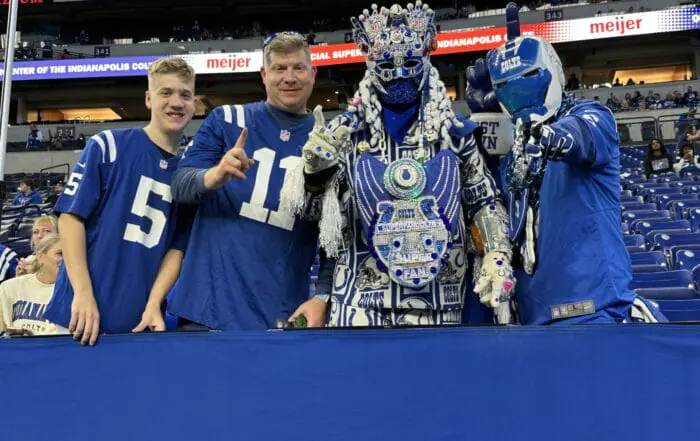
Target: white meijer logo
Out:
[510,64]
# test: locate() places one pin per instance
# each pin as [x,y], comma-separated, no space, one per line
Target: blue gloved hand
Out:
[480,95]
[556,143]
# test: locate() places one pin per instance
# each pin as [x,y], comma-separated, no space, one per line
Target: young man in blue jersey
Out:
[247,262]
[117,215]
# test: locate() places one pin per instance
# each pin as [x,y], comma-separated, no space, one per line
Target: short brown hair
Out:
[286,43]
[171,66]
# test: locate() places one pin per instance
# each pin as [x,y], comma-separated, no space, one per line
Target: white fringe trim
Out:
[293,193]
[330,225]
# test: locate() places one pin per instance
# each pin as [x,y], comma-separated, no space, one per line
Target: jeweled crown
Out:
[408,30]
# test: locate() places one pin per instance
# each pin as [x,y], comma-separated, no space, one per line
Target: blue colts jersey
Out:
[582,262]
[120,187]
[247,262]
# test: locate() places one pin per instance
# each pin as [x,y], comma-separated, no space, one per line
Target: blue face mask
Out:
[402,91]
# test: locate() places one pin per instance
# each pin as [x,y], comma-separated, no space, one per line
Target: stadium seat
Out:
[651,192]
[666,241]
[631,216]
[665,279]
[694,216]
[636,249]
[680,208]
[690,173]
[624,228]
[637,207]
[682,310]
[686,259]
[648,268]
[648,258]
[634,240]
[671,293]
[646,226]
[631,200]
[665,201]
[650,236]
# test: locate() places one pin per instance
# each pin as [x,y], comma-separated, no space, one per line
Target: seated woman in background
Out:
[658,160]
[24,298]
[688,160]
[43,225]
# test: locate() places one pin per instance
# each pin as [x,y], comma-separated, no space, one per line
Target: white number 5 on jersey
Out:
[140,207]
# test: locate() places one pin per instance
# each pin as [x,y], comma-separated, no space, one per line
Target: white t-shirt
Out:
[22,304]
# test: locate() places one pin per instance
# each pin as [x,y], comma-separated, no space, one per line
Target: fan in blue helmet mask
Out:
[561,177]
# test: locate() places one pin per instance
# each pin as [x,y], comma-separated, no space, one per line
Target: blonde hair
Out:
[171,66]
[45,219]
[43,246]
[286,43]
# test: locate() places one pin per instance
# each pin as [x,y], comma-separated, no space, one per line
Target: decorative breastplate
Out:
[408,212]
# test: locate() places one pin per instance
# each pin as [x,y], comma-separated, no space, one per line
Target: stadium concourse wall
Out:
[581,383]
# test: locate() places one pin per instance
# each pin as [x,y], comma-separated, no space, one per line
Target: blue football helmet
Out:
[528,79]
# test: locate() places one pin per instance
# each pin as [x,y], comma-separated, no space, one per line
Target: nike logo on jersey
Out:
[81,164]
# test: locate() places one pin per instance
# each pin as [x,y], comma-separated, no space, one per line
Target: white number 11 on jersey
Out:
[255,209]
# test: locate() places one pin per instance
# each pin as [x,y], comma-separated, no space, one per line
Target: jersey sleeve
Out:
[36,198]
[594,130]
[84,187]
[478,185]
[8,264]
[208,145]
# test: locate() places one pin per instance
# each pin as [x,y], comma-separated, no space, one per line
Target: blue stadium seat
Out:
[666,241]
[683,310]
[668,178]
[680,208]
[645,226]
[631,200]
[690,173]
[634,216]
[644,187]
[694,216]
[665,201]
[637,207]
[624,228]
[648,258]
[686,259]
[650,236]
[648,268]
[665,279]
[651,192]
[671,293]
[634,240]
[636,249]
[694,188]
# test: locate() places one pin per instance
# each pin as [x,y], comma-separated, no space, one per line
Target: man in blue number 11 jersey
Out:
[117,214]
[248,260]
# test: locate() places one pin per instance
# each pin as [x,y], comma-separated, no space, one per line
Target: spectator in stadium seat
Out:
[658,160]
[35,137]
[248,260]
[690,96]
[27,195]
[57,190]
[690,136]
[116,216]
[42,226]
[688,159]
[23,299]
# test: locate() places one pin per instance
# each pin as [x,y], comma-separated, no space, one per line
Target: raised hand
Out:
[321,150]
[233,165]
